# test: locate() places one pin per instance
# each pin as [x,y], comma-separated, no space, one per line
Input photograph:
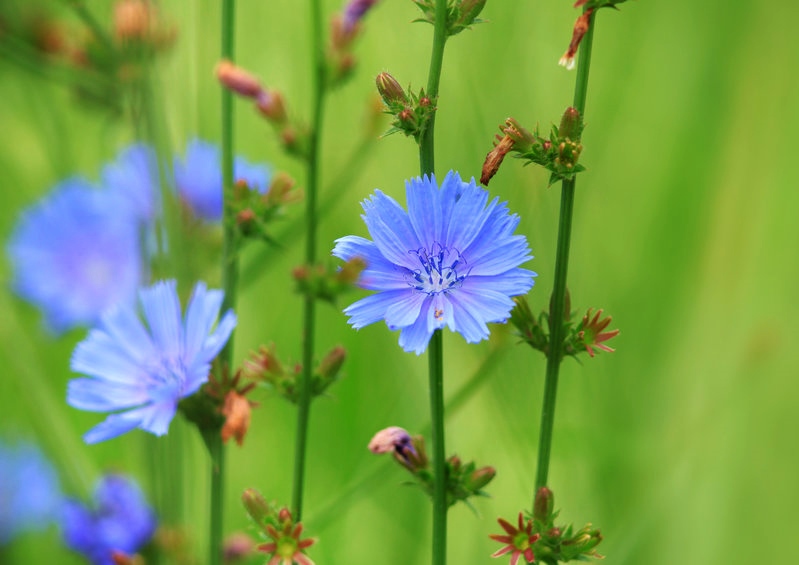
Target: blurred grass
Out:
[679,446]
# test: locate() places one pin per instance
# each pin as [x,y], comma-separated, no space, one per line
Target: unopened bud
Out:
[256,505]
[406,116]
[246,220]
[469,10]
[424,102]
[570,124]
[237,79]
[389,439]
[481,477]
[454,463]
[282,190]
[284,516]
[132,19]
[544,504]
[554,533]
[271,105]
[390,90]
[332,362]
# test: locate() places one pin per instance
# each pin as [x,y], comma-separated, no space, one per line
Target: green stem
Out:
[558,302]
[91,22]
[436,359]
[309,316]
[217,449]
[426,141]
[229,284]
[435,348]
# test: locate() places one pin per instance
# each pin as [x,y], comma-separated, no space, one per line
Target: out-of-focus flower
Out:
[134,177]
[146,370]
[198,178]
[75,254]
[354,12]
[286,546]
[451,260]
[30,498]
[518,541]
[120,520]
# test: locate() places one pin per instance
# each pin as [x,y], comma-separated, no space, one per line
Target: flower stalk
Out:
[305,396]
[436,357]
[558,302]
[229,282]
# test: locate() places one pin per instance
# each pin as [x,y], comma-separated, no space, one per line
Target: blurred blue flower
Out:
[451,260]
[76,253]
[198,178]
[30,498]
[120,520]
[134,177]
[354,12]
[147,369]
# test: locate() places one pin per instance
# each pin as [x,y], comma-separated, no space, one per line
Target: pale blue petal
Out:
[404,310]
[468,217]
[380,273]
[390,228]
[511,283]
[129,335]
[201,314]
[466,323]
[156,417]
[196,376]
[510,254]
[424,209]
[484,304]
[373,308]
[416,337]
[113,426]
[214,343]
[162,312]
[451,190]
[104,396]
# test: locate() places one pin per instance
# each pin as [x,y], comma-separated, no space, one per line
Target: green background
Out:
[681,446]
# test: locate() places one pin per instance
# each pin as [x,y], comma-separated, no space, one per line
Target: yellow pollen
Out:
[438,314]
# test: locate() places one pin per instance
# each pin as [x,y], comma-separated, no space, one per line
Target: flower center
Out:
[439,270]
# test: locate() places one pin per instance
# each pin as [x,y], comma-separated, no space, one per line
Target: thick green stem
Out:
[229,284]
[309,316]
[436,359]
[558,302]
[435,348]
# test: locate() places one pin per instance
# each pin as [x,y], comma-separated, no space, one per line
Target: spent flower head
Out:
[518,540]
[591,332]
[118,522]
[451,260]
[286,546]
[75,254]
[144,370]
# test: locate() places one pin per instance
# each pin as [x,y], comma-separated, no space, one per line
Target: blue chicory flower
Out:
[147,369]
[30,497]
[75,254]
[198,178]
[451,260]
[133,175]
[119,521]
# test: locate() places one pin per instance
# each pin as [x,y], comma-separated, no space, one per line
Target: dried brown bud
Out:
[237,411]
[270,104]
[237,79]
[580,29]
[494,159]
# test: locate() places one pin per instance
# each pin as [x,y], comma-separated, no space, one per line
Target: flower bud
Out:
[282,190]
[132,19]
[256,505]
[332,362]
[284,516]
[389,439]
[544,504]
[271,105]
[390,90]
[469,10]
[237,79]
[480,478]
[570,124]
